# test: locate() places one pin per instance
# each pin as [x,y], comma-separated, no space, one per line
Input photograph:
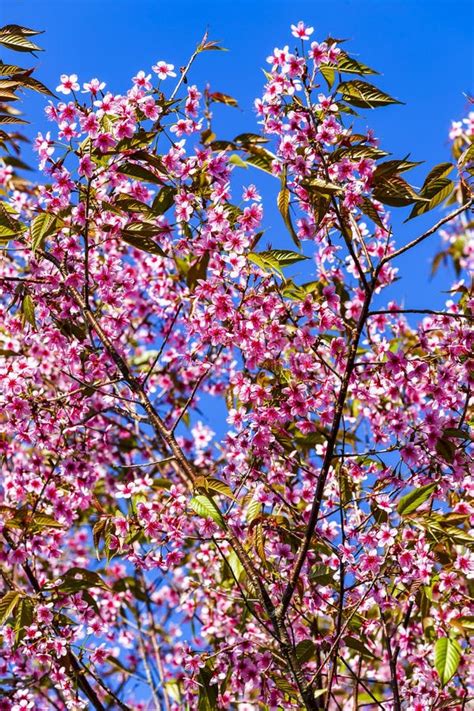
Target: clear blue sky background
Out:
[422,47]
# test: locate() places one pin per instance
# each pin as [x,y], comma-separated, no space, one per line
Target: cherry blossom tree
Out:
[316,550]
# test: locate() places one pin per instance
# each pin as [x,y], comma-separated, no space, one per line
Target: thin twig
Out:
[428,233]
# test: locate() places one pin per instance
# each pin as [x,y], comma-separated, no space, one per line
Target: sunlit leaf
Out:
[447,654]
[206,508]
[394,191]
[352,66]
[275,259]
[23,617]
[164,200]
[414,499]
[42,227]
[28,310]
[220,98]
[435,193]
[142,241]
[7,604]
[358,646]
[138,172]
[366,96]
[17,41]
[446,449]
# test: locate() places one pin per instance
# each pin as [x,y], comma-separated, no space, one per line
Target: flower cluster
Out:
[318,543]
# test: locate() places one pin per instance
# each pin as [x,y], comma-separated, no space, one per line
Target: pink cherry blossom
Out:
[301,30]
[164,70]
[68,84]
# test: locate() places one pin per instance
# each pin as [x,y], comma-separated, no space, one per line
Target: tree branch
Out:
[428,233]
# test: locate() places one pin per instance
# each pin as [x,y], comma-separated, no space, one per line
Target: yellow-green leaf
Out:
[42,227]
[413,500]
[7,604]
[363,95]
[447,654]
[206,508]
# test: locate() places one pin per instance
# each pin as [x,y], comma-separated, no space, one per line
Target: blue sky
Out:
[422,48]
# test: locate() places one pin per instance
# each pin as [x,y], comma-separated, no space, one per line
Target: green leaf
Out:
[10,69]
[260,158]
[284,257]
[164,200]
[319,692]
[321,205]
[20,30]
[466,156]
[10,228]
[322,575]
[8,95]
[16,163]
[208,692]
[130,204]
[358,646]
[352,66]
[323,186]
[197,270]
[252,138]
[18,42]
[466,622]
[223,145]
[98,532]
[23,617]
[210,45]
[11,119]
[81,578]
[283,202]
[233,562]
[118,664]
[413,500]
[329,74]
[254,510]
[206,508]
[357,153]
[305,651]
[275,259]
[235,159]
[391,167]
[41,520]
[444,527]
[456,432]
[223,99]
[138,172]
[439,171]
[365,96]
[7,604]
[285,685]
[447,655]
[446,449]
[435,193]
[36,85]
[215,486]
[369,209]
[28,310]
[259,541]
[42,227]
[12,84]
[140,139]
[143,242]
[394,191]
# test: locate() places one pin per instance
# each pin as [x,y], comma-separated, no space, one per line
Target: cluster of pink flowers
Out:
[135,303]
